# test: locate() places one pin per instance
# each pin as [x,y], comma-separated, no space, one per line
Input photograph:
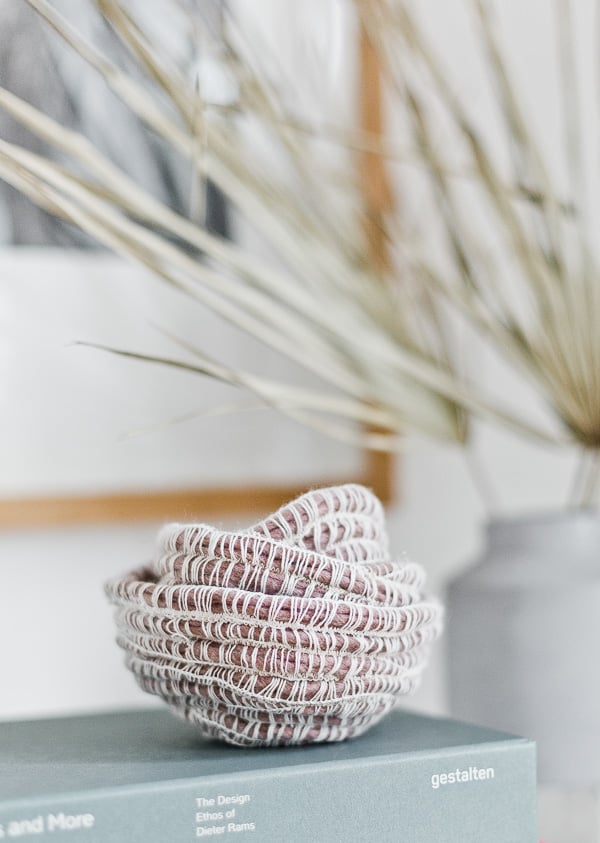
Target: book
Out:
[134,776]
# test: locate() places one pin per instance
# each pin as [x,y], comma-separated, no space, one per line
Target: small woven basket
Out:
[297,630]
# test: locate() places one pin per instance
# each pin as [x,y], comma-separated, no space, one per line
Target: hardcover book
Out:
[136,776]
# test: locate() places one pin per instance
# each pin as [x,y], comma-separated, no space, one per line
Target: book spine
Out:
[461,796]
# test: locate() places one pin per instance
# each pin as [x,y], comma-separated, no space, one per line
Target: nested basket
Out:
[299,629]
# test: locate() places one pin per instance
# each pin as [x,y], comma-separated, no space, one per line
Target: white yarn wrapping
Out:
[299,629]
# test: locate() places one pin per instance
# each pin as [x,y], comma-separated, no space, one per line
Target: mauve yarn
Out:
[296,630]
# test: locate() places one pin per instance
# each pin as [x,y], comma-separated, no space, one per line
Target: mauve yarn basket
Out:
[299,629]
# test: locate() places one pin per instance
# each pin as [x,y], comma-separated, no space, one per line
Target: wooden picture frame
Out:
[179,503]
[378,471]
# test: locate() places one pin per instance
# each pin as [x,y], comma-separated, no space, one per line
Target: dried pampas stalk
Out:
[380,346]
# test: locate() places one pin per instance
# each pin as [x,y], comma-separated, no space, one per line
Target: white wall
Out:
[65,412]
[60,432]
[69,412]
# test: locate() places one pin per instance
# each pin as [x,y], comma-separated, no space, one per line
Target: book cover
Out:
[134,776]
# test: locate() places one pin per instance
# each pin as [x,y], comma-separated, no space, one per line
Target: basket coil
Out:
[299,629]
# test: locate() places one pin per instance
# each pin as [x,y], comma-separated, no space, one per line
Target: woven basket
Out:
[299,629]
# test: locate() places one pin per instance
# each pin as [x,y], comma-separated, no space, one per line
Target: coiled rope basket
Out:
[296,630]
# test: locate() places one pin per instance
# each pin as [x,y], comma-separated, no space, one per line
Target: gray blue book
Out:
[136,776]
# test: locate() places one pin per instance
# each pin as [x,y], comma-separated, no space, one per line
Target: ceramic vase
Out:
[523,638]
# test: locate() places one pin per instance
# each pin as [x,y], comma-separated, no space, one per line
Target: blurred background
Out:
[77,421]
[98,450]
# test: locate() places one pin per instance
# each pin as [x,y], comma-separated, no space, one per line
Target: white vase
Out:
[523,637]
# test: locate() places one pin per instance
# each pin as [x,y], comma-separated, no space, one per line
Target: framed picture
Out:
[89,436]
